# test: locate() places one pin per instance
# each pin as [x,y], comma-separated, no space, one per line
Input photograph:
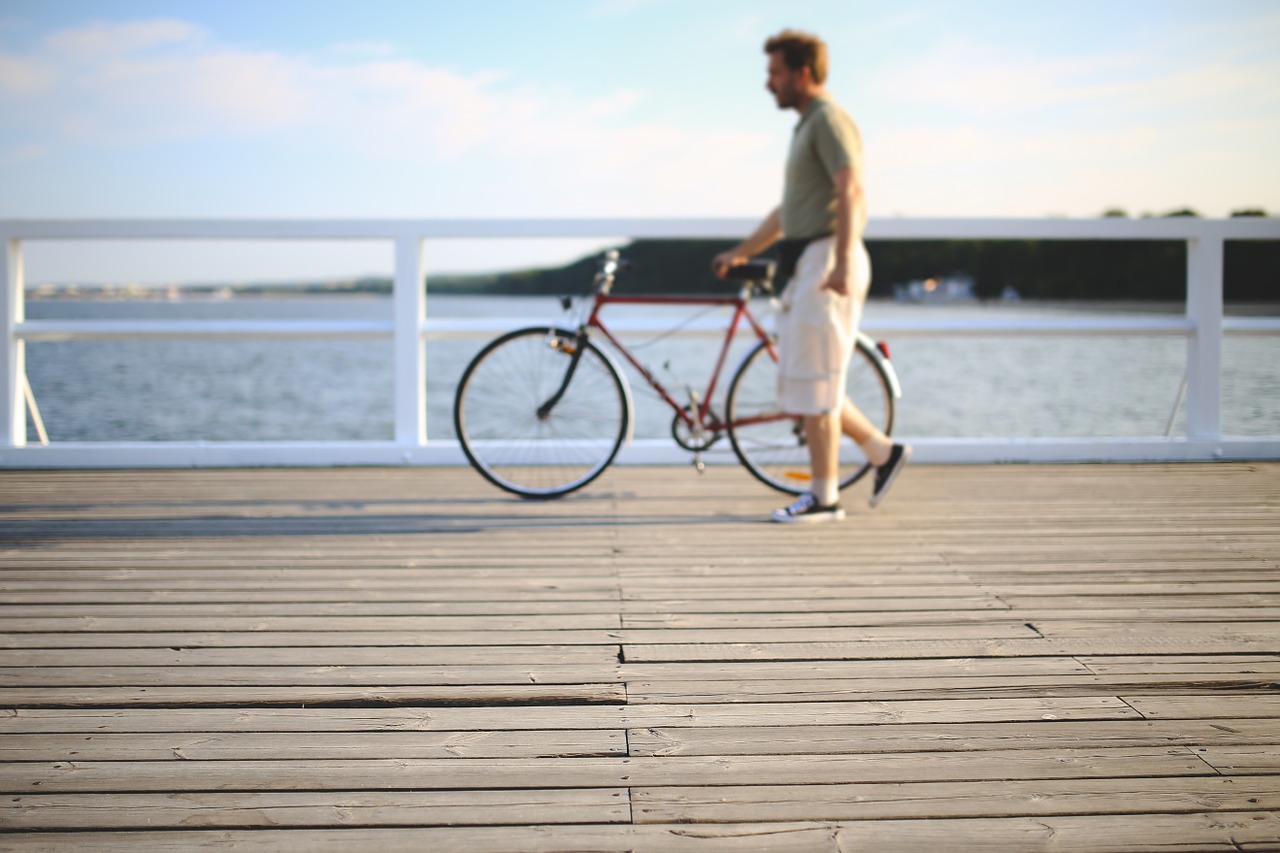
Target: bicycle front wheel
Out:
[772,445]
[537,418]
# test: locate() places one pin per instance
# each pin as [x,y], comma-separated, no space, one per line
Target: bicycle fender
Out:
[626,396]
[867,344]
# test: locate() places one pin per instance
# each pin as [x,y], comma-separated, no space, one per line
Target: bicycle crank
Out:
[695,438]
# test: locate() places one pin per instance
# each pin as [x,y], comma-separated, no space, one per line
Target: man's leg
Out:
[874,443]
[887,457]
[822,502]
[822,433]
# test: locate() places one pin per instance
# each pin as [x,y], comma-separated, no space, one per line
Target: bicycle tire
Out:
[773,449]
[496,419]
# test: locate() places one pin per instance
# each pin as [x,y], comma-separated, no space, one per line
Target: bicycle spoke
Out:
[498,422]
[774,450]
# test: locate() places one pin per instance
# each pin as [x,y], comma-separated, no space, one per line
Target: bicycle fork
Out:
[574,351]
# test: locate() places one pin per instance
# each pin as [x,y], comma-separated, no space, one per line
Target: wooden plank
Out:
[940,616]
[965,687]
[447,601]
[393,631]
[869,650]
[946,737]
[487,773]
[1242,760]
[877,713]
[460,647]
[247,674]
[1265,602]
[1178,833]
[1242,664]
[144,621]
[854,669]
[313,809]
[760,803]
[669,611]
[489,718]
[1247,631]
[1167,707]
[224,746]
[1003,628]
[114,604]
[314,697]
[792,636]
[481,664]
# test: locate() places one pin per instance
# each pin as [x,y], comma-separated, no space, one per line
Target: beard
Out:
[785,98]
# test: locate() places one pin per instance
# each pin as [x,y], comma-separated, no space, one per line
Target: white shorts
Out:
[816,331]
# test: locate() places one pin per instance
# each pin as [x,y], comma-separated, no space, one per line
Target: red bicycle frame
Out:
[698,418]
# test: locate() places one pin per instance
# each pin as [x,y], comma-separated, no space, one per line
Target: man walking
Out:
[820,224]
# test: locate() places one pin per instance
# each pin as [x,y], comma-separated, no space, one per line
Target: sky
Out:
[607,108]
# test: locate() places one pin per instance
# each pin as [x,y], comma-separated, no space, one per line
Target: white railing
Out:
[1203,325]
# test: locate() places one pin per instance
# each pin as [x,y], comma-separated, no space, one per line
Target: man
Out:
[822,217]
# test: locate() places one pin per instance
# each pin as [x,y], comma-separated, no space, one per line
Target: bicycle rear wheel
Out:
[772,445]
[533,453]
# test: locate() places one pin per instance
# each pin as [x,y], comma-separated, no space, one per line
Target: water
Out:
[262,390]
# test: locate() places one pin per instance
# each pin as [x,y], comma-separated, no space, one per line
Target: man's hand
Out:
[839,280]
[725,261]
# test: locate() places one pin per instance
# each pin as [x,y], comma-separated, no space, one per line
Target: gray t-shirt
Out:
[825,141]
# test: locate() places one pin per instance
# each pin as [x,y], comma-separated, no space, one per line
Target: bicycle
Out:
[542,411]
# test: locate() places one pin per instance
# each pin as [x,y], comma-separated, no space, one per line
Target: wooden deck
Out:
[1013,658]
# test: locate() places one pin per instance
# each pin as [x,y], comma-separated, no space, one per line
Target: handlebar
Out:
[757,271]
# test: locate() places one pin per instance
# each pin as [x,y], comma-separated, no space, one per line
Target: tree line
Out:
[1037,269]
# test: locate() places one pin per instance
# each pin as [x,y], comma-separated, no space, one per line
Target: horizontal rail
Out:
[214,454]
[1168,228]
[67,330]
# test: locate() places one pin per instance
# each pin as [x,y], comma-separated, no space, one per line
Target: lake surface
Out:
[311,389]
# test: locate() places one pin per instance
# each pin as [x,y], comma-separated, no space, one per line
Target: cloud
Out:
[148,81]
[133,86]
[22,153]
[990,81]
[983,80]
[96,41]
[1158,121]
[622,8]
[22,77]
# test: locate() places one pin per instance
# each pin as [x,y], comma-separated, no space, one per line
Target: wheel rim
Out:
[496,414]
[775,450]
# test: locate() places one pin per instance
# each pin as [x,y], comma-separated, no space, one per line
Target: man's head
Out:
[797,67]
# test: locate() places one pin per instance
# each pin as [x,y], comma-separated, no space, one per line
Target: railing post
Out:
[409,298]
[13,368]
[1204,347]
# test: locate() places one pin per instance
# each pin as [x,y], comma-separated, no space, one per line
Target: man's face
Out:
[783,82]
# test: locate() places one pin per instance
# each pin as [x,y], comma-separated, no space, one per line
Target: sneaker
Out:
[888,472]
[807,510]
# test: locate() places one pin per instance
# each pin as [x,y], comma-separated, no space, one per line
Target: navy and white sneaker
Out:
[807,510]
[888,472]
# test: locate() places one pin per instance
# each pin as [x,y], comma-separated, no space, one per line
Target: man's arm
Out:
[766,234]
[851,219]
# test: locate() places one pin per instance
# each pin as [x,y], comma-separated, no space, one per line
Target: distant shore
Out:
[286,292]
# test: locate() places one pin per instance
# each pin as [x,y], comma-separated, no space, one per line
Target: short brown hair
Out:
[801,50]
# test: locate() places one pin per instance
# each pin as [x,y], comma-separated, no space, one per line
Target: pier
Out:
[999,658]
